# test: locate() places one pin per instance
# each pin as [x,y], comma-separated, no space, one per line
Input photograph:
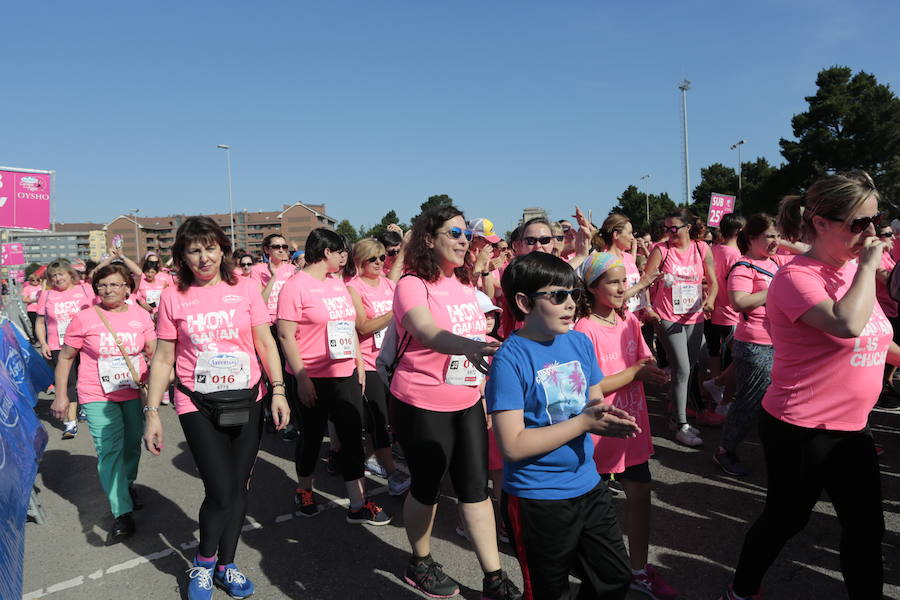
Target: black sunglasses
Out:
[861,224]
[888,235]
[674,228]
[246,264]
[372,259]
[531,241]
[456,233]
[559,238]
[279,247]
[394,252]
[559,296]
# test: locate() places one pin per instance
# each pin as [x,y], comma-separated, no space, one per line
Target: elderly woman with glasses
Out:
[107,338]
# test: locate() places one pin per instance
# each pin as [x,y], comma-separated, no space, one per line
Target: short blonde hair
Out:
[61,264]
[364,249]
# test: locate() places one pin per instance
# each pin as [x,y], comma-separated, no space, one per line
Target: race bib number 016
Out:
[341,341]
[220,371]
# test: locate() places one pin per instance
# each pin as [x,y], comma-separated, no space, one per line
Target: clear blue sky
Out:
[372,106]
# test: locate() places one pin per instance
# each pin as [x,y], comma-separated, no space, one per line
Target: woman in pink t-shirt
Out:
[747,283]
[373,298]
[65,296]
[889,398]
[213,327]
[30,293]
[831,340]
[317,329]
[107,390]
[272,275]
[438,417]
[679,301]
[626,363]
[152,284]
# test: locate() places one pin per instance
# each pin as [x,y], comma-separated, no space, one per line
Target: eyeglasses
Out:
[559,238]
[372,259]
[110,286]
[394,252]
[279,247]
[456,233]
[887,235]
[543,241]
[861,224]
[559,296]
[246,264]
[674,228]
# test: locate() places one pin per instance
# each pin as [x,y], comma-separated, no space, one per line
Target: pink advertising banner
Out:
[17,275]
[12,254]
[24,200]
[719,206]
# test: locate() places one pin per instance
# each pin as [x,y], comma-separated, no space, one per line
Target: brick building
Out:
[294,222]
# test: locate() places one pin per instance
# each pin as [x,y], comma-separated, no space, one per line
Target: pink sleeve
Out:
[741,280]
[75,333]
[255,276]
[259,312]
[149,330]
[798,292]
[165,325]
[409,293]
[42,303]
[288,302]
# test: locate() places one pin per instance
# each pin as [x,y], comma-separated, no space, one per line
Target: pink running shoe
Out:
[654,585]
[730,595]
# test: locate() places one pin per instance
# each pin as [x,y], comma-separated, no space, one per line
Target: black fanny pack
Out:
[228,408]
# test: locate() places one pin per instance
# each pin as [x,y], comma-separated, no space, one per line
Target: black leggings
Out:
[376,404]
[338,399]
[801,463]
[225,458]
[71,383]
[435,442]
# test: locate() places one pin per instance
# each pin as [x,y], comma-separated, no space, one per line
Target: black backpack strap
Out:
[744,263]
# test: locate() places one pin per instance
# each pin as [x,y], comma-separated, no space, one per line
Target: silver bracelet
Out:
[151,409]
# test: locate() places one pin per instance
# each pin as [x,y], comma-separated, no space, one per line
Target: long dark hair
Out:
[756,225]
[697,227]
[419,258]
[203,230]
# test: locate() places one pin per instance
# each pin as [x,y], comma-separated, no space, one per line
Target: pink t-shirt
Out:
[420,376]
[319,308]
[819,380]
[724,256]
[753,326]
[895,251]
[617,348]
[632,277]
[150,292]
[686,269]
[888,304]
[30,295]
[377,300]
[212,325]
[99,354]
[58,308]
[260,273]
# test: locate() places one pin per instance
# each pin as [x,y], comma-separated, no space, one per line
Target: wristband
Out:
[151,409]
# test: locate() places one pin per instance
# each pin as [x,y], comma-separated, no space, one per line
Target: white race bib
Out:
[341,343]
[462,372]
[685,298]
[220,371]
[114,373]
[378,338]
[153,297]
[61,326]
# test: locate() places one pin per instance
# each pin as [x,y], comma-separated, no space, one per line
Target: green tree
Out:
[432,202]
[853,122]
[715,178]
[347,230]
[390,218]
[633,204]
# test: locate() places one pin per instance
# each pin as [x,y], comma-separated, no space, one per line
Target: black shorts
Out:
[636,473]
[375,404]
[717,337]
[437,442]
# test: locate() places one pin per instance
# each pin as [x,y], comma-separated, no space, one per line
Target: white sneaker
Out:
[373,467]
[687,435]
[673,426]
[715,391]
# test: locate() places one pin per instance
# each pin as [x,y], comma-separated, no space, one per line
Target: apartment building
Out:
[66,240]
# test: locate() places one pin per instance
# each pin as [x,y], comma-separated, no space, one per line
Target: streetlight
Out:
[684,86]
[137,243]
[227,150]
[737,146]
[647,198]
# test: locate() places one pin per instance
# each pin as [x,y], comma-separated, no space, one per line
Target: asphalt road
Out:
[699,518]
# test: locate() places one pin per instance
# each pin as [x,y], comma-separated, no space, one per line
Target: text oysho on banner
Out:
[24,199]
[12,254]
[719,206]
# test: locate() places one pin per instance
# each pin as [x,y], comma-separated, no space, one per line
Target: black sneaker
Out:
[369,514]
[888,400]
[499,587]
[123,528]
[306,504]
[428,577]
[730,463]
[615,487]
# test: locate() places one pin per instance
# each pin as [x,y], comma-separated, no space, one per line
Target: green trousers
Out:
[117,428]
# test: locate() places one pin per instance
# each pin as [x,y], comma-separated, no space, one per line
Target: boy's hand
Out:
[603,419]
[647,371]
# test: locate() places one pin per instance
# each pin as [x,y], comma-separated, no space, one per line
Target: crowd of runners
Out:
[510,371]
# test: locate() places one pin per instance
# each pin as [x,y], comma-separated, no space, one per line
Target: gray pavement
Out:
[699,520]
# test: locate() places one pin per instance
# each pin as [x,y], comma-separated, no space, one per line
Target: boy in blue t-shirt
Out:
[544,398]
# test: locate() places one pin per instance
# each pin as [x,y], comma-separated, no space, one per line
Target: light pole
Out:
[137,239]
[647,197]
[737,146]
[227,150]
[684,86]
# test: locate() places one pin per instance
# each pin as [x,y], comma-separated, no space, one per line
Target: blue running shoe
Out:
[234,582]
[200,581]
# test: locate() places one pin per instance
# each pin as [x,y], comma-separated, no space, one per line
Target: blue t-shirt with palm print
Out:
[550,382]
